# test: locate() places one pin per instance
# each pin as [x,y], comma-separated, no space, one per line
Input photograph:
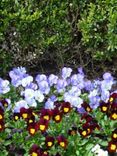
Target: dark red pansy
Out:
[113,98]
[104,107]
[87,117]
[87,107]
[32,128]
[42,125]
[46,114]
[57,115]
[83,132]
[66,107]
[113,115]
[26,113]
[114,135]
[16,116]
[35,151]
[112,146]
[49,141]
[1,126]
[73,131]
[4,102]
[1,114]
[62,141]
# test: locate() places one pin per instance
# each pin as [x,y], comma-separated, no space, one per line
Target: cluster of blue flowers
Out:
[67,87]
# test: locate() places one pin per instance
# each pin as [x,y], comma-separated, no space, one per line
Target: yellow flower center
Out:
[49,144]
[34,154]
[0,126]
[104,108]
[46,117]
[42,127]
[24,115]
[16,117]
[114,116]
[32,130]
[88,109]
[73,132]
[111,99]
[66,110]
[115,135]
[5,104]
[113,147]
[84,133]
[30,121]
[1,117]
[57,117]
[62,144]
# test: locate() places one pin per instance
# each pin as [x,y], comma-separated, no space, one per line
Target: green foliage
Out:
[99,28]
[57,31]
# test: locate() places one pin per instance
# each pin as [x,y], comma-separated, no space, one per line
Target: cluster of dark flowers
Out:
[60,98]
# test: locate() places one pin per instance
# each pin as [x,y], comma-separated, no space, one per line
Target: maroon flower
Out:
[62,141]
[114,135]
[42,125]
[26,113]
[113,115]
[4,103]
[1,126]
[73,131]
[87,107]
[113,98]
[66,107]
[1,114]
[112,146]
[16,116]
[57,115]
[49,141]
[104,107]
[35,151]
[32,128]
[46,114]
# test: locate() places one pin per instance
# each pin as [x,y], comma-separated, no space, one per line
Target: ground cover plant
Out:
[58,115]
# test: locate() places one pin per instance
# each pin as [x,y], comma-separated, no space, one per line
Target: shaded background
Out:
[46,35]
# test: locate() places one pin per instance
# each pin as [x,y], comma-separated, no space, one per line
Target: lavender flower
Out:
[44,87]
[61,84]
[26,81]
[49,104]
[4,86]
[20,104]
[52,79]
[41,77]
[16,75]
[66,72]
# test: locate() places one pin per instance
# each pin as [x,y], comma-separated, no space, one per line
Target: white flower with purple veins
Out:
[105,95]
[41,77]
[98,151]
[4,86]
[106,84]
[16,75]
[31,102]
[26,81]
[61,84]
[39,96]
[44,87]
[29,93]
[52,79]
[20,104]
[49,104]
[32,86]
[66,72]
[75,91]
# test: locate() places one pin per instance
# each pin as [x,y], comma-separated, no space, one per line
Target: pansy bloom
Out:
[112,146]
[62,141]
[66,107]
[114,135]
[16,116]
[35,151]
[73,131]
[32,128]
[2,125]
[57,115]
[46,114]
[87,107]
[42,125]
[49,141]
[25,113]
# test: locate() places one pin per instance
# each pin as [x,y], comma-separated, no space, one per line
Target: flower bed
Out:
[58,115]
